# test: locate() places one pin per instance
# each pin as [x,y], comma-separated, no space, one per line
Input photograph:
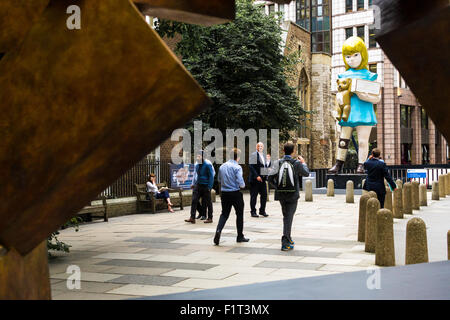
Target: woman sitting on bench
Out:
[159,194]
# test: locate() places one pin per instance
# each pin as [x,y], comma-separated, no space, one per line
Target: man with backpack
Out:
[286,179]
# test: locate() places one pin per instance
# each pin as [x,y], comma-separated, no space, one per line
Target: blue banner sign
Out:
[181,176]
[416,173]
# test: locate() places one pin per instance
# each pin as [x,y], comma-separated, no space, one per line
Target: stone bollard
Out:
[448,245]
[349,192]
[308,191]
[385,252]
[423,195]
[399,183]
[330,188]
[388,199]
[416,242]
[435,191]
[373,205]
[398,210]
[442,189]
[406,199]
[415,195]
[362,217]
[447,184]
[373,194]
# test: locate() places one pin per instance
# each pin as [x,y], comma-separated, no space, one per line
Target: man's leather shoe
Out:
[208,221]
[264,214]
[254,215]
[217,238]
[242,239]
[190,220]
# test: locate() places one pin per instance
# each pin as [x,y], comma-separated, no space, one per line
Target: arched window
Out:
[302,89]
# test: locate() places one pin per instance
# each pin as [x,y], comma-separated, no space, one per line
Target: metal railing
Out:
[124,186]
[397,172]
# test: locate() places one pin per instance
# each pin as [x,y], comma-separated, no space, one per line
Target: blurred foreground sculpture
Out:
[414,34]
[76,111]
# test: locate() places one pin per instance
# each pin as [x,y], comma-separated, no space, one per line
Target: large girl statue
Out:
[362,116]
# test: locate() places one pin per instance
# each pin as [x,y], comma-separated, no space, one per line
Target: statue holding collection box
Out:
[357,85]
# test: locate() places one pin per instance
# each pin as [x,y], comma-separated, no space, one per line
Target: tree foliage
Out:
[242,68]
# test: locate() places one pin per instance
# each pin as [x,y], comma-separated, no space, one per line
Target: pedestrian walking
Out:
[231,181]
[377,171]
[286,179]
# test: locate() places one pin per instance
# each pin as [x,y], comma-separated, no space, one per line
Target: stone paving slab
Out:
[136,290]
[139,270]
[88,286]
[152,239]
[124,256]
[82,295]
[158,264]
[161,245]
[209,274]
[147,280]
[302,253]
[289,265]
[88,276]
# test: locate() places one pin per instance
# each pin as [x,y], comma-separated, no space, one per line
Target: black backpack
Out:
[285,177]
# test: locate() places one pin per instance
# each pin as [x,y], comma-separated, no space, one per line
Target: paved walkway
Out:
[148,255]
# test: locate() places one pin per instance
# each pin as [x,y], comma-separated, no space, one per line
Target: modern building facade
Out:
[404,132]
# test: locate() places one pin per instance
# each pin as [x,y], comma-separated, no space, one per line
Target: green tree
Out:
[242,68]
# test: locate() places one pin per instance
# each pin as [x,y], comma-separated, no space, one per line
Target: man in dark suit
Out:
[257,181]
[376,173]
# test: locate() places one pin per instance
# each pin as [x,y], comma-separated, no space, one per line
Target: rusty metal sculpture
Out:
[76,108]
[422,28]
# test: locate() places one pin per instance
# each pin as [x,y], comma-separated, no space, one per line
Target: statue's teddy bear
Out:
[343,110]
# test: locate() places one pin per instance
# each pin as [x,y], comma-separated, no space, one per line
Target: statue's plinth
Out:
[340,180]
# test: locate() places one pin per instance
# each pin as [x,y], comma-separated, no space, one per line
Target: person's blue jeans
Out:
[161,195]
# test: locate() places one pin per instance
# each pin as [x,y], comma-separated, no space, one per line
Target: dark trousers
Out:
[381,194]
[288,209]
[381,197]
[256,188]
[163,195]
[201,191]
[233,199]
[202,211]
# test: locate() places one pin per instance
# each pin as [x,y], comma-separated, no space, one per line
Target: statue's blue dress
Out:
[362,113]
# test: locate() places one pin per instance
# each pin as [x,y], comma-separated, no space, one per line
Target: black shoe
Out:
[217,238]
[264,214]
[203,218]
[242,239]
[254,215]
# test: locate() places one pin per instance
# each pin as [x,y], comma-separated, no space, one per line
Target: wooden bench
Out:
[96,211]
[143,202]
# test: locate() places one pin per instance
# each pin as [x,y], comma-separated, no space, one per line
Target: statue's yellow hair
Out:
[353,45]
